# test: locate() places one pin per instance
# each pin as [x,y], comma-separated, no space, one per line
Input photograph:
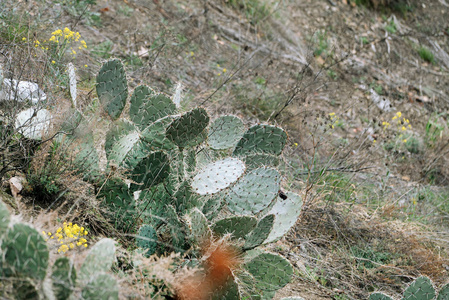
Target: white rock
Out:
[22,91]
[33,123]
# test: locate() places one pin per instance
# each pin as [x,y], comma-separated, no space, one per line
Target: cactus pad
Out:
[212,206]
[379,296]
[147,239]
[150,171]
[286,213]
[100,259]
[101,287]
[420,289]
[254,192]
[147,107]
[4,218]
[197,222]
[25,252]
[270,271]
[218,176]
[238,226]
[63,278]
[112,87]
[260,233]
[262,139]
[225,132]
[188,127]
[154,135]
[444,293]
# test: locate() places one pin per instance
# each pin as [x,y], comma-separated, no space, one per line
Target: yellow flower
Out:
[404,140]
[85,67]
[224,70]
[296,144]
[24,39]
[399,114]
[403,128]
[53,62]
[192,53]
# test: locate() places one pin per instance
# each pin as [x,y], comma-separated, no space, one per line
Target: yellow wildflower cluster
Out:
[334,120]
[67,36]
[224,70]
[69,236]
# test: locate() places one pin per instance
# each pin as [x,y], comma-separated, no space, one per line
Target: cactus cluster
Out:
[183,181]
[26,272]
[420,289]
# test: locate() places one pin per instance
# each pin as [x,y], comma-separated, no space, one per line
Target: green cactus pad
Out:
[270,271]
[147,239]
[200,231]
[218,176]
[230,291]
[287,212]
[176,228]
[25,252]
[154,135]
[100,259]
[420,289]
[150,171]
[254,161]
[152,205]
[119,202]
[225,132]
[112,87]
[124,146]
[260,233]
[101,287]
[63,278]
[238,226]
[379,296]
[212,206]
[86,158]
[188,127]
[4,218]
[444,293]
[186,198]
[262,139]
[254,192]
[147,107]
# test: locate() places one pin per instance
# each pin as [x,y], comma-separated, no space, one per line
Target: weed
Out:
[426,54]
[434,130]
[322,43]
[370,258]
[364,40]
[391,27]
[254,10]
[103,49]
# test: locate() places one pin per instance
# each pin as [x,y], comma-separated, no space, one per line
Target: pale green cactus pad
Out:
[4,218]
[260,233]
[379,296]
[262,139]
[200,231]
[230,291]
[112,87]
[270,271]
[63,278]
[287,212]
[25,252]
[218,175]
[100,259]
[101,287]
[225,132]
[188,127]
[254,192]
[238,226]
[420,289]
[124,146]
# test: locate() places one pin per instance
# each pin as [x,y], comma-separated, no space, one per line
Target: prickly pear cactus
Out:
[147,240]
[100,259]
[420,289]
[112,87]
[25,253]
[443,294]
[379,296]
[63,278]
[186,130]
[262,139]
[101,286]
